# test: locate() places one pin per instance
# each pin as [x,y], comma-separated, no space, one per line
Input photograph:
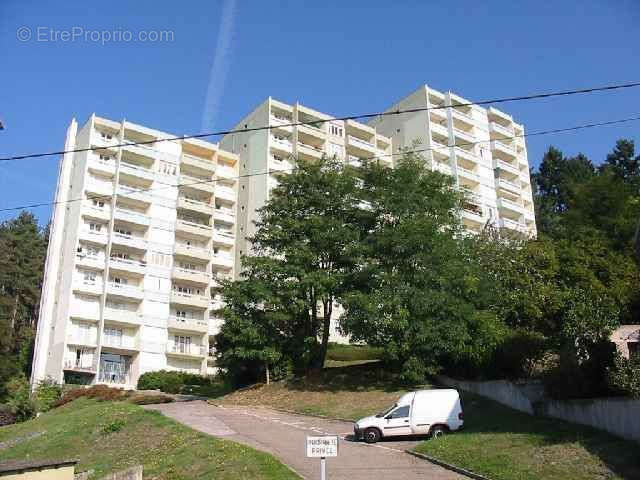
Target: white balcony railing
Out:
[125,289]
[503,145]
[361,142]
[186,349]
[193,224]
[86,364]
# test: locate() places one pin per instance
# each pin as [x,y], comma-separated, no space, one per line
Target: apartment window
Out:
[91,251]
[181,344]
[215,250]
[95,227]
[106,136]
[113,336]
[98,203]
[89,277]
[336,130]
[120,255]
[120,280]
[187,290]
[122,231]
[335,150]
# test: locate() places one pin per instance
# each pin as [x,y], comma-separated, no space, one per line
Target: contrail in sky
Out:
[220,66]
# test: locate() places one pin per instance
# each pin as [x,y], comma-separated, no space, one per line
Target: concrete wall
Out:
[618,416]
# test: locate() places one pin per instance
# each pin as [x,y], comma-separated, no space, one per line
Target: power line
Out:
[349,117]
[427,149]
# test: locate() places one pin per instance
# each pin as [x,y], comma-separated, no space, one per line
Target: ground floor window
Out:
[114,368]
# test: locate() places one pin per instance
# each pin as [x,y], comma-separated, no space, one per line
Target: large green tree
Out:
[22,255]
[420,295]
[303,257]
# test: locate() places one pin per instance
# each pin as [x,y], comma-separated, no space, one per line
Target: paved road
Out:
[283,435]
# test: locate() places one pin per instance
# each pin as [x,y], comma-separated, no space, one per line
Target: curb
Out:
[448,466]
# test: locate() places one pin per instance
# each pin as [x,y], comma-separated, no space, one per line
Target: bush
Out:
[20,402]
[112,427]
[624,376]
[98,392]
[518,356]
[46,395]
[150,399]
[6,415]
[177,382]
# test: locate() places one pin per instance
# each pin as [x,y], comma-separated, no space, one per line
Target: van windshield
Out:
[382,414]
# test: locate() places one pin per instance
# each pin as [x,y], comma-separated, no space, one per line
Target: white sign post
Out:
[322,447]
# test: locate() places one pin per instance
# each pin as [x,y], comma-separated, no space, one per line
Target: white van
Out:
[425,412]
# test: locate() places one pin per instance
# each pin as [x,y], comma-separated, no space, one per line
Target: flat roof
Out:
[21,465]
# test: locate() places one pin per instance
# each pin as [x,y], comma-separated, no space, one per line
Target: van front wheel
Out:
[371,435]
[437,432]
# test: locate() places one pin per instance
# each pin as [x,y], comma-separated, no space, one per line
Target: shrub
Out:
[47,394]
[20,402]
[624,377]
[98,392]
[150,399]
[178,382]
[518,356]
[6,415]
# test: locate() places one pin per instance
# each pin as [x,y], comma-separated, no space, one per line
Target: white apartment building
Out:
[482,148]
[140,236]
[266,154]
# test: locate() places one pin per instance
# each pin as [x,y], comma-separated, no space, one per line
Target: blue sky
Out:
[339,57]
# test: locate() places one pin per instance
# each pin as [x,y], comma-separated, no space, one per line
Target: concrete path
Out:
[283,435]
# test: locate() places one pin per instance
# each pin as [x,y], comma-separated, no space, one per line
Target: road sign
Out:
[322,446]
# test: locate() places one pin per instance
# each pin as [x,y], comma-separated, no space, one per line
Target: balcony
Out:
[281,123]
[281,144]
[100,139]
[188,324]
[94,262]
[83,340]
[504,148]
[226,215]
[308,150]
[125,290]
[125,344]
[193,252]
[193,228]
[442,168]
[501,129]
[466,154]
[318,131]
[186,350]
[131,216]
[468,174]
[104,167]
[145,150]
[138,194]
[440,129]
[127,265]
[222,260]
[130,317]
[194,276]
[88,287]
[223,237]
[81,365]
[459,114]
[512,225]
[507,167]
[131,241]
[473,216]
[194,205]
[361,147]
[206,185]
[189,299]
[138,171]
[508,185]
[94,236]
[279,166]
[205,164]
[465,136]
[89,210]
[510,205]
[98,188]
[225,172]
[226,193]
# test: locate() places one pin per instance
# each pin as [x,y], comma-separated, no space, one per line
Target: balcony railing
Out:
[189,179]
[508,167]
[128,262]
[82,339]
[186,349]
[359,141]
[462,113]
[226,211]
[281,141]
[469,173]
[125,288]
[191,223]
[133,215]
[504,146]
[507,183]
[85,364]
[280,120]
[513,205]
[135,166]
[196,203]
[512,224]
[194,324]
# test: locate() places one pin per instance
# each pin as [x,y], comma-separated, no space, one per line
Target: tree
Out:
[623,161]
[304,253]
[418,293]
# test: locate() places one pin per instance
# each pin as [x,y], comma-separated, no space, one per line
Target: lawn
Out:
[110,436]
[505,444]
[348,392]
[499,442]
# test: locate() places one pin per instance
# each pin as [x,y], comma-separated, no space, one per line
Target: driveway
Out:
[283,435]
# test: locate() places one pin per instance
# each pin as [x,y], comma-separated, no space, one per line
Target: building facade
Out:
[483,149]
[266,154]
[134,259]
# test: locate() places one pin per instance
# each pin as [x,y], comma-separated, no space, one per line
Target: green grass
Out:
[505,444]
[111,436]
[350,353]
[349,392]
